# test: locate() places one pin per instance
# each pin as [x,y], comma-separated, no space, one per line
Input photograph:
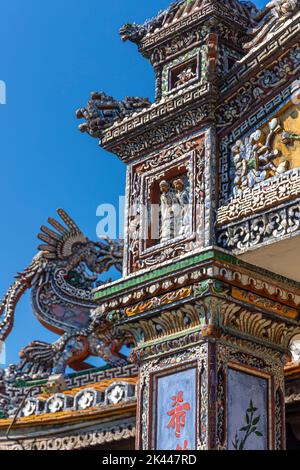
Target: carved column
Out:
[211,357]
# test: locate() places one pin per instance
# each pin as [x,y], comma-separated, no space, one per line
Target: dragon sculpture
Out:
[102,111]
[61,278]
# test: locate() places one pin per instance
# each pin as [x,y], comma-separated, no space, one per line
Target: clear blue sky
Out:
[53,54]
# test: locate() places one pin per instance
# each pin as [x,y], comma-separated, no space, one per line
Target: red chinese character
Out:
[185,446]
[178,414]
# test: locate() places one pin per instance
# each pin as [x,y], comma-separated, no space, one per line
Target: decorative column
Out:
[211,356]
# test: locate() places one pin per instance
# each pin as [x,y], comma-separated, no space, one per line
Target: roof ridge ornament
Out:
[270,19]
[136,33]
[103,110]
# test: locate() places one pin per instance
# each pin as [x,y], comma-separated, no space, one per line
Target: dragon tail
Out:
[8,306]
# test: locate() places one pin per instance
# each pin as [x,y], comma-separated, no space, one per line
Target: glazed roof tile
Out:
[100,386]
[99,411]
[94,412]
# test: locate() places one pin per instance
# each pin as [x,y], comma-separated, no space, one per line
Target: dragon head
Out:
[131,32]
[101,256]
[72,249]
[135,33]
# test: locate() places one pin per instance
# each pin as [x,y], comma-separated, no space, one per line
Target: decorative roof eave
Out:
[74,437]
[103,376]
[279,61]
[200,15]
[183,13]
[287,29]
[258,57]
[108,399]
[119,135]
[211,263]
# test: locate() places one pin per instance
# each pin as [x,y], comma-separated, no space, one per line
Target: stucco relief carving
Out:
[157,136]
[167,201]
[264,167]
[116,395]
[258,230]
[213,317]
[254,158]
[255,90]
[184,70]
[84,439]
[262,197]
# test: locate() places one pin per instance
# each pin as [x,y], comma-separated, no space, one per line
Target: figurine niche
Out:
[174,210]
[185,76]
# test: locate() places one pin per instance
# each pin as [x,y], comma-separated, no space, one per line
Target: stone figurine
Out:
[167,200]
[182,210]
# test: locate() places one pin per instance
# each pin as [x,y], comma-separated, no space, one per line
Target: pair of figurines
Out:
[175,210]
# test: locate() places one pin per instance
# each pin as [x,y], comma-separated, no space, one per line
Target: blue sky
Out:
[53,54]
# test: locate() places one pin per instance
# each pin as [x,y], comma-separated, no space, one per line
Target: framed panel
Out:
[248,409]
[185,70]
[173,414]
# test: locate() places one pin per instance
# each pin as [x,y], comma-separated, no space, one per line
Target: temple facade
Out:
[208,298]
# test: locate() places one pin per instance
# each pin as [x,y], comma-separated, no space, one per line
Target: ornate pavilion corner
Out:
[209,333]
[209,301]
